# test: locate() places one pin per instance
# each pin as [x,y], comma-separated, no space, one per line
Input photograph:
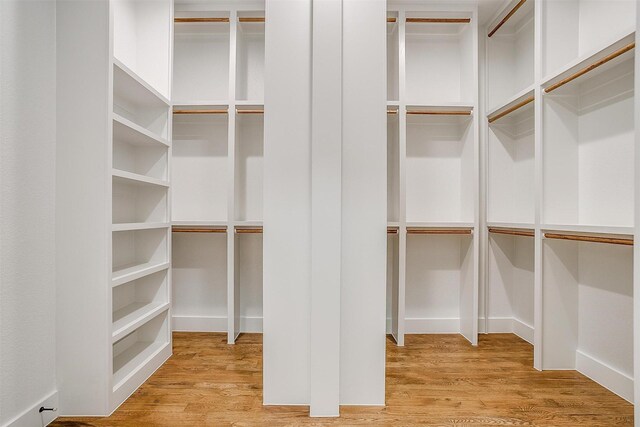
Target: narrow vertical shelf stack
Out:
[141,149]
[561,184]
[216,167]
[433,170]
[510,100]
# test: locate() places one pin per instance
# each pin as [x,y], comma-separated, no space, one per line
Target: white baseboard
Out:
[32,418]
[608,377]
[214,324]
[509,325]
[431,326]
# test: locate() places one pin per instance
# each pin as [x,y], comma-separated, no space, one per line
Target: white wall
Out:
[27,202]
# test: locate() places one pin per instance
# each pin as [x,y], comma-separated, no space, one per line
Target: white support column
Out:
[287,203]
[326,207]
[364,203]
[233,300]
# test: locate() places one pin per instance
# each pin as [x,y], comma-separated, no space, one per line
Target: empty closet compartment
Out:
[440,282]
[511,166]
[393,59]
[509,304]
[139,153]
[248,280]
[510,52]
[199,281]
[393,166]
[440,167]
[439,58]
[249,156]
[136,201]
[575,28]
[588,308]
[250,57]
[201,58]
[138,105]
[141,39]
[588,146]
[135,303]
[200,164]
[132,353]
[138,249]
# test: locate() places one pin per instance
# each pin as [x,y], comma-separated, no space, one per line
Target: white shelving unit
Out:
[560,178]
[433,170]
[114,281]
[216,167]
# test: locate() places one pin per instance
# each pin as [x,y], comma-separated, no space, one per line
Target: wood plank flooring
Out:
[435,380]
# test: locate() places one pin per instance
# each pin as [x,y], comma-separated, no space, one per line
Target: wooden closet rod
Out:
[438,20]
[440,112]
[439,230]
[506,18]
[198,230]
[249,230]
[248,19]
[511,109]
[591,67]
[391,20]
[392,111]
[512,232]
[392,230]
[594,239]
[199,111]
[185,20]
[249,111]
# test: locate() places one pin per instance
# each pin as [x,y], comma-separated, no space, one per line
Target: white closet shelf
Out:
[131,272]
[393,224]
[206,103]
[438,225]
[514,225]
[393,103]
[219,223]
[129,362]
[132,316]
[134,226]
[249,223]
[250,103]
[136,179]
[130,85]
[591,229]
[512,102]
[443,106]
[589,59]
[127,131]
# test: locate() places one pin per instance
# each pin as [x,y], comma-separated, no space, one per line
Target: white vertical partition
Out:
[233,260]
[364,203]
[326,207]
[636,252]
[287,202]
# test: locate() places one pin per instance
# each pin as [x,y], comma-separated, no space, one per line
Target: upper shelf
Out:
[592,63]
[130,86]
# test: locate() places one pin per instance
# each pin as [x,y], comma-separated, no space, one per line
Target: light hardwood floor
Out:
[435,380]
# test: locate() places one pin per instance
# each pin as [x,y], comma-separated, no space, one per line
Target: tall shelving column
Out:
[438,169]
[511,170]
[113,267]
[586,228]
[219,61]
